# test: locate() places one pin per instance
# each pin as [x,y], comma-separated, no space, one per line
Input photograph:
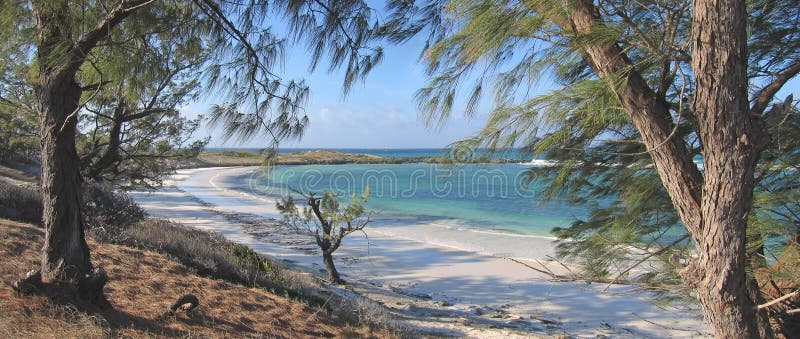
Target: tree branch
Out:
[89,40]
[779,300]
[766,94]
[640,261]
[649,115]
[142,114]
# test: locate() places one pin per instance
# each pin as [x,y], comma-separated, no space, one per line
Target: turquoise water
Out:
[483,197]
[398,152]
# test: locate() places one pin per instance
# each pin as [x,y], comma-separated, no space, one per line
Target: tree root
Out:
[186,303]
[90,287]
[29,283]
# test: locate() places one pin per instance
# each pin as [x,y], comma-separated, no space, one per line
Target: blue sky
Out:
[377,113]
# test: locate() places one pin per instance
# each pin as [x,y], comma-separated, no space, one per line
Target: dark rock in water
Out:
[478,311]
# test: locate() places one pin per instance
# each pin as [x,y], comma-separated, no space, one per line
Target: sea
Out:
[503,198]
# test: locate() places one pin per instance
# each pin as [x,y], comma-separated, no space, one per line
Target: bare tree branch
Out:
[766,94]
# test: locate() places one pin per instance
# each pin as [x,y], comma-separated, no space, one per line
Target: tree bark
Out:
[731,145]
[65,252]
[333,274]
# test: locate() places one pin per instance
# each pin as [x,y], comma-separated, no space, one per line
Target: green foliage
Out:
[327,221]
[162,54]
[19,137]
[345,34]
[18,132]
[331,211]
[245,256]
[108,214]
[133,131]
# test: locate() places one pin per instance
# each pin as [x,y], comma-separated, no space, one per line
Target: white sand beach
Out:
[439,278]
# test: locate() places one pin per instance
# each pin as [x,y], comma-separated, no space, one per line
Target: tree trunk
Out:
[731,145]
[65,253]
[333,274]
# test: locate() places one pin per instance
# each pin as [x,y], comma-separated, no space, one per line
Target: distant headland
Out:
[212,158]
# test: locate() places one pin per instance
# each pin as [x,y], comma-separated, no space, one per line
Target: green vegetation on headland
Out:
[256,158]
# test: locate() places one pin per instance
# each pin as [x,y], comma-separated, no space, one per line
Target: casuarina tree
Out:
[644,90]
[328,222]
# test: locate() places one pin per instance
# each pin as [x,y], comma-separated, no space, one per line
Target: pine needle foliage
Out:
[506,47]
[342,33]
[164,54]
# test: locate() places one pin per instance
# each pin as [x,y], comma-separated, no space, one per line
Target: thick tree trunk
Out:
[333,274]
[66,255]
[731,144]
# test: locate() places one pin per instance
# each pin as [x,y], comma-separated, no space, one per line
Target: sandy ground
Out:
[434,286]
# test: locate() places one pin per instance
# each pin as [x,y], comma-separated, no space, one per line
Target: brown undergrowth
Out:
[142,285]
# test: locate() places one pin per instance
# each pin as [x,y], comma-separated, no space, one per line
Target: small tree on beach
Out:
[328,222]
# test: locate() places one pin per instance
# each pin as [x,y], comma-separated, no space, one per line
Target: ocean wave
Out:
[539,163]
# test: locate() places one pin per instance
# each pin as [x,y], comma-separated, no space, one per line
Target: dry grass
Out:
[142,285]
[211,255]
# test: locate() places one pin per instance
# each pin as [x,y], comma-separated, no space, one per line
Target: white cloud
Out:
[324,113]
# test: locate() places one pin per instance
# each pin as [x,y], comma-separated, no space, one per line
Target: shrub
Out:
[20,203]
[245,257]
[211,255]
[107,214]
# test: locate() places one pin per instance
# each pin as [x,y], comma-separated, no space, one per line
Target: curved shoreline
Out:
[466,287]
[398,225]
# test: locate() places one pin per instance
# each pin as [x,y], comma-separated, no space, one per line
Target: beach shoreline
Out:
[432,284]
